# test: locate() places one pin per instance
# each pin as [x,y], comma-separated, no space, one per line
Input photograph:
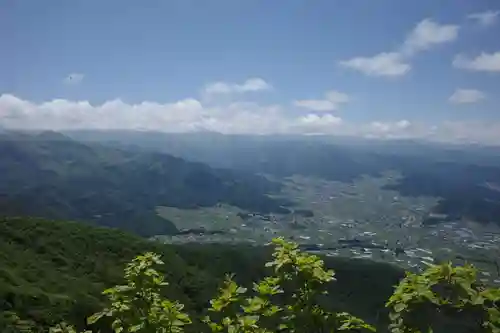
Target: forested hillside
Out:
[50,175]
[117,184]
[54,270]
[465,178]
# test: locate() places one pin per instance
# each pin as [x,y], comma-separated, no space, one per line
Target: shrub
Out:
[290,300]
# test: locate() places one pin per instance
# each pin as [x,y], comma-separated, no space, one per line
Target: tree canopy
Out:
[291,294]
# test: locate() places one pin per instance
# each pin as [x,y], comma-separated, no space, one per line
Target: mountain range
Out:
[51,175]
[118,179]
[465,178]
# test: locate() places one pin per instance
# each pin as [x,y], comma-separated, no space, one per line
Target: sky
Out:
[425,69]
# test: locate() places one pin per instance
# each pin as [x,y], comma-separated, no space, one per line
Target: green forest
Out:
[50,175]
[55,271]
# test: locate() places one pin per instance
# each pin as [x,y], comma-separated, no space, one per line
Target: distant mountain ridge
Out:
[119,164]
[455,173]
[53,176]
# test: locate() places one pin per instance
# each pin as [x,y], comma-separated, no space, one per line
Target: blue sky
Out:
[374,68]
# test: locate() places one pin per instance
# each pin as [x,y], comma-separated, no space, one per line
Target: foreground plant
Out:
[420,302]
[290,300]
[138,306]
[286,301]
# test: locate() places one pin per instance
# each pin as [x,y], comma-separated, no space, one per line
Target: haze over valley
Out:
[364,199]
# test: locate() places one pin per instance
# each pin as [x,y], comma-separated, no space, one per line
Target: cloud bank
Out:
[190,115]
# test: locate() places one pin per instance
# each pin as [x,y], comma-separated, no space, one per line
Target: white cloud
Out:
[316,124]
[336,97]
[428,33]
[113,114]
[382,64]
[315,104]
[390,127]
[333,99]
[182,116]
[74,78]
[322,120]
[190,115]
[250,85]
[484,62]
[486,18]
[466,96]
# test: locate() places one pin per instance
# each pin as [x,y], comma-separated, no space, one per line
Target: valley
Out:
[384,203]
[357,220]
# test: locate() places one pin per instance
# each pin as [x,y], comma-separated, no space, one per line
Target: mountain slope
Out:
[465,178]
[53,270]
[52,176]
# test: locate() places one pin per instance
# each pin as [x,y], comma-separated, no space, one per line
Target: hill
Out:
[53,270]
[50,175]
[465,178]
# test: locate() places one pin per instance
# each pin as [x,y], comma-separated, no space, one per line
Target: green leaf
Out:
[241,290]
[136,328]
[399,307]
[393,316]
[95,317]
